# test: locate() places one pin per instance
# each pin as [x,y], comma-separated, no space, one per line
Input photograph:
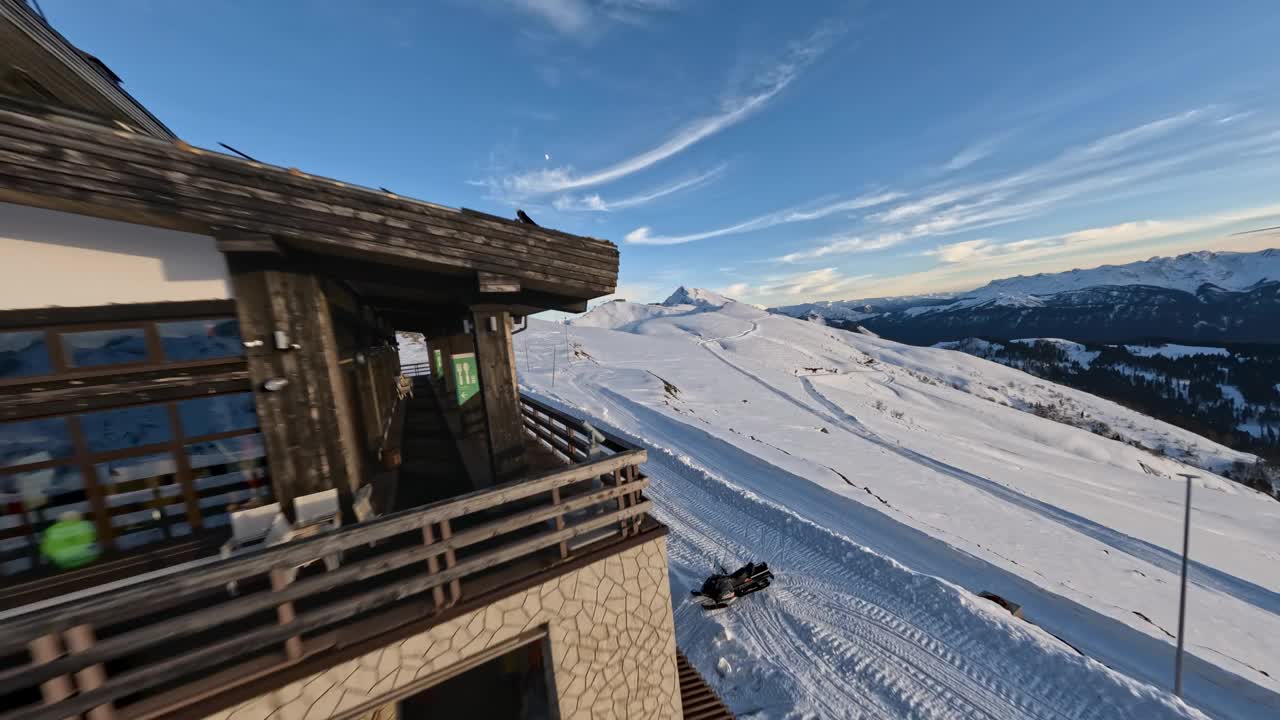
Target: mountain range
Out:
[1199,296]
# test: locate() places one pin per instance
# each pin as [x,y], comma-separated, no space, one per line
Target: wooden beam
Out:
[41,317]
[233,241]
[62,397]
[503,420]
[293,366]
[495,283]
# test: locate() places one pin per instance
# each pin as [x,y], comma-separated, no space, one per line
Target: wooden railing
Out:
[153,644]
[417,369]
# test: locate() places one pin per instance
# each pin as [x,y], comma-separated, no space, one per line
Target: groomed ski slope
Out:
[885,498]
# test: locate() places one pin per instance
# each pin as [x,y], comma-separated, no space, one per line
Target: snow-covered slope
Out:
[886,485]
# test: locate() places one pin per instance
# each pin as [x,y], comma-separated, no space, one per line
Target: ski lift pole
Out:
[1182,596]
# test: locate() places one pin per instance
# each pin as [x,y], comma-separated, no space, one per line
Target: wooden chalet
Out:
[199,373]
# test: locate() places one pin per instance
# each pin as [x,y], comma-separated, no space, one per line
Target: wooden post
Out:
[635,499]
[47,648]
[492,330]
[433,565]
[455,588]
[79,639]
[291,348]
[564,544]
[284,612]
[622,501]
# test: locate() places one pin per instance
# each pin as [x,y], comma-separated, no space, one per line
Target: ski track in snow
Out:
[846,631]
[1200,574]
[878,652]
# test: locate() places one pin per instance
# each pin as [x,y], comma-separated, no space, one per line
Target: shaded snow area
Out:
[886,485]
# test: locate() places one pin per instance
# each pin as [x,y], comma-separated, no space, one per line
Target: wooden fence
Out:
[150,645]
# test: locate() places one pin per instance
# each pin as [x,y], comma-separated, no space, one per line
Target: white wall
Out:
[52,258]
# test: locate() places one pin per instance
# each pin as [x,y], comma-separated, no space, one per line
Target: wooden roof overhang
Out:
[37,61]
[399,253]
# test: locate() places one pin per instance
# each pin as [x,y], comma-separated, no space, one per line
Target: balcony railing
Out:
[151,645]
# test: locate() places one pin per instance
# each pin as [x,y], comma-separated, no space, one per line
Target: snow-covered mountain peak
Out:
[1186,272]
[696,296]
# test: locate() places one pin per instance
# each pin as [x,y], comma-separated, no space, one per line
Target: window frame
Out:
[54,323]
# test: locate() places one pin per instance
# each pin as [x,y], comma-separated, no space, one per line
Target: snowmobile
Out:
[724,587]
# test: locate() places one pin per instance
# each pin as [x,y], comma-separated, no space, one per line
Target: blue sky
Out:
[781,152]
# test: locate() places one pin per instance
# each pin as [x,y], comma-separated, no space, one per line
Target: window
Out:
[94,348]
[124,428]
[80,349]
[24,354]
[144,499]
[200,339]
[34,441]
[138,474]
[217,414]
[158,470]
[31,501]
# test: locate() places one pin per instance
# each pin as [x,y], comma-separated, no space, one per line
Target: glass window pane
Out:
[24,354]
[105,347]
[143,498]
[126,428]
[200,339]
[33,441]
[229,474]
[217,413]
[31,502]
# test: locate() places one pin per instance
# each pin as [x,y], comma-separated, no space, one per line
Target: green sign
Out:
[439,358]
[466,378]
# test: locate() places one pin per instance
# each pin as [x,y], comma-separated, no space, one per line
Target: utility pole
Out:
[1182,597]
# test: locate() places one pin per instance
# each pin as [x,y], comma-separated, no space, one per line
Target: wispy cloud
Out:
[800,213]
[734,109]
[972,154]
[824,281]
[984,251]
[595,203]
[844,244]
[586,17]
[565,16]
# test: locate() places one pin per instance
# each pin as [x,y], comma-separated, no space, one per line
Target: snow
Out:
[887,494]
[1187,272]
[1232,393]
[1171,350]
[1075,351]
[695,296]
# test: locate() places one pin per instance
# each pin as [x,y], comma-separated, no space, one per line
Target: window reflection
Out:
[200,339]
[229,474]
[217,414]
[23,354]
[105,347]
[143,499]
[33,441]
[126,428]
[30,502]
